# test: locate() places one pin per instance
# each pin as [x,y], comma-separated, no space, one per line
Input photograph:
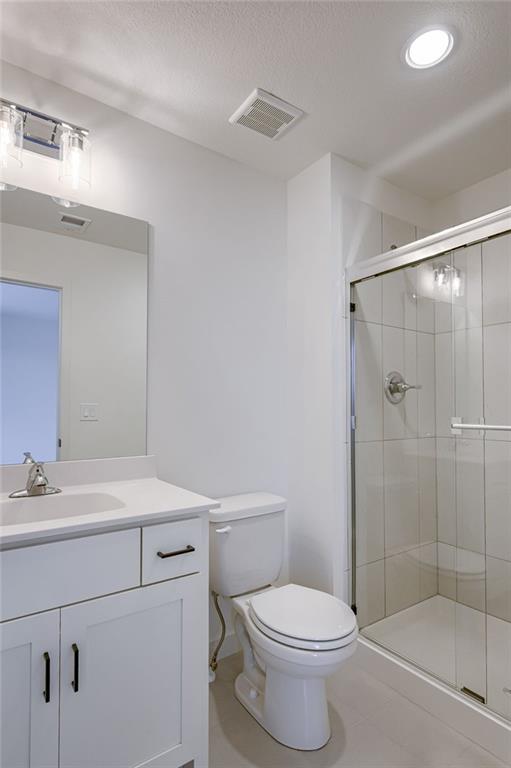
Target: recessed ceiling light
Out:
[428,48]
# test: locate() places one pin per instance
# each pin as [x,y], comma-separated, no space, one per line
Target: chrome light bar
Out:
[41,132]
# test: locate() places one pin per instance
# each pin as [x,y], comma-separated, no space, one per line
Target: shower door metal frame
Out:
[468,233]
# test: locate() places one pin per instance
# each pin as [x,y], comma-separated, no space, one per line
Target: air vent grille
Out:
[266,114]
[74,222]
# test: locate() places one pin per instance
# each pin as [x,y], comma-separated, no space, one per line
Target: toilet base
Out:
[294,712]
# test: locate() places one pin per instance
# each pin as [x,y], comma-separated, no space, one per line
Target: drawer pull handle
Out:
[76,671]
[47,685]
[186,551]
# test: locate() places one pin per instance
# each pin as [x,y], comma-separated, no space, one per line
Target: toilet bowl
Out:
[292,637]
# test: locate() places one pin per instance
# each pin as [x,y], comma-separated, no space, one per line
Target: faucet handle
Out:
[37,481]
[28,458]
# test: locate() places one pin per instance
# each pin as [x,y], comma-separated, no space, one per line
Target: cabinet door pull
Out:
[76,671]
[185,551]
[47,683]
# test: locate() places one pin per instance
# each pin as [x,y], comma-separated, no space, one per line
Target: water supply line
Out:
[213,664]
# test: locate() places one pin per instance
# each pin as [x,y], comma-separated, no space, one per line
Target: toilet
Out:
[292,637]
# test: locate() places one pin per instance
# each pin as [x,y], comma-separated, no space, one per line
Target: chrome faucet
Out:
[37,482]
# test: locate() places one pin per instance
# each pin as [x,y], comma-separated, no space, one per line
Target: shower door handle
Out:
[457,427]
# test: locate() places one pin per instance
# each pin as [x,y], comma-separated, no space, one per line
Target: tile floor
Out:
[372,725]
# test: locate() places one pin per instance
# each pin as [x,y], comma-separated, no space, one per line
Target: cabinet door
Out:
[29,691]
[130,678]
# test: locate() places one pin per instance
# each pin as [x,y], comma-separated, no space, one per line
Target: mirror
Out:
[73,331]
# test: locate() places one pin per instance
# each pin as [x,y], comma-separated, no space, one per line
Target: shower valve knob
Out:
[396,387]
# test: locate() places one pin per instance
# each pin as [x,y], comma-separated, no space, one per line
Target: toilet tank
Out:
[246,542]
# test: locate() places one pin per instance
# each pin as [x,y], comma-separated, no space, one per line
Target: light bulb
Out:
[456,283]
[429,48]
[74,159]
[440,275]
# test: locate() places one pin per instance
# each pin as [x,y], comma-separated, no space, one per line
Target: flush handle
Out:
[226,529]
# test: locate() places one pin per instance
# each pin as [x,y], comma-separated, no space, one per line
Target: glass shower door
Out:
[432,480]
[476,537]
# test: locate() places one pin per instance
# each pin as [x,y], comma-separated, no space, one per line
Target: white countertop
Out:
[128,503]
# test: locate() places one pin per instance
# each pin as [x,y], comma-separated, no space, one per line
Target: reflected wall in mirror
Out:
[73,331]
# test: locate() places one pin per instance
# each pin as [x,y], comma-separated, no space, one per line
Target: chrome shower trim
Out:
[482,228]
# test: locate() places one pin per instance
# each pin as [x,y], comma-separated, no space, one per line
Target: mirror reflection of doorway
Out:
[29,383]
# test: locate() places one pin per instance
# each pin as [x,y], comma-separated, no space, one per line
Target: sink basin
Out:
[35,509]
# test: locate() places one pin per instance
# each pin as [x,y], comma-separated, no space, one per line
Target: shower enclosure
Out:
[431,465]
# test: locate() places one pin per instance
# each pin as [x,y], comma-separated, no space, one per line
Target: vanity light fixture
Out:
[22,128]
[429,47]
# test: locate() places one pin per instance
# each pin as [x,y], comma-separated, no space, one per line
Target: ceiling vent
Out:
[74,223]
[264,113]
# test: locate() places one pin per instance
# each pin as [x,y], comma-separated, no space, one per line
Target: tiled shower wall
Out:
[395,447]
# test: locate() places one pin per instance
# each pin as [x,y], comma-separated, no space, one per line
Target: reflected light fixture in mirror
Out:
[448,279]
[65,203]
[11,137]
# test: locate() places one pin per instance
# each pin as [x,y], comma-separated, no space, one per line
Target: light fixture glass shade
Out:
[75,159]
[11,137]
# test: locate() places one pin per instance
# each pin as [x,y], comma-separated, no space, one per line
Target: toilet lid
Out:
[303,614]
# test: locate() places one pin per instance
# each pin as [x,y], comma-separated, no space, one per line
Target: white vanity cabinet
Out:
[29,691]
[127,668]
[130,678]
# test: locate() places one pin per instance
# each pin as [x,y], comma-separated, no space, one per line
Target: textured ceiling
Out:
[186,66]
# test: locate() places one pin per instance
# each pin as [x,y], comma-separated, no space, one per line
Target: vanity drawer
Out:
[171,550]
[45,576]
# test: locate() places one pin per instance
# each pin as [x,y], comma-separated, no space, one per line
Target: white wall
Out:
[217,278]
[334,217]
[313,276]
[484,197]
[103,339]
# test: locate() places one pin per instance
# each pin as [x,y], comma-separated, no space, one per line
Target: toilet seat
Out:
[303,618]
